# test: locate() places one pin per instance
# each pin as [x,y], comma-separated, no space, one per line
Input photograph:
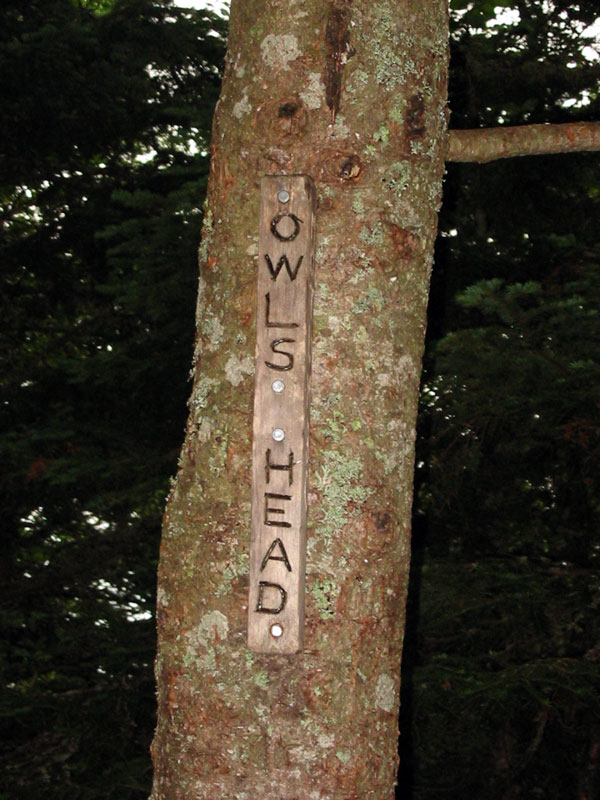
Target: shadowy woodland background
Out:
[106,108]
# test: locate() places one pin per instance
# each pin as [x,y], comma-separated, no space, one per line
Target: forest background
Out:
[107,106]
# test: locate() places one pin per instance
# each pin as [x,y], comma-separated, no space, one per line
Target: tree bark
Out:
[490,144]
[352,94]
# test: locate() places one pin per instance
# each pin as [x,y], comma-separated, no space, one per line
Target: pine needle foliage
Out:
[107,108]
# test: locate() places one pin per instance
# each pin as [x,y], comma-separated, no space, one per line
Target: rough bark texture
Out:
[490,144]
[323,723]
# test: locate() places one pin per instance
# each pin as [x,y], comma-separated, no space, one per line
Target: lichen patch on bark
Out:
[279,50]
[242,107]
[385,694]
[237,367]
[314,94]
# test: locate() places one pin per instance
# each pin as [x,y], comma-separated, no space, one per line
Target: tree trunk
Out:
[353,95]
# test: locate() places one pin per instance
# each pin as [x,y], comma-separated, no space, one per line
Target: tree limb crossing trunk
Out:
[353,95]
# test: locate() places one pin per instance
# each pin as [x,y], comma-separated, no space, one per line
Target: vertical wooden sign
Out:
[281,400]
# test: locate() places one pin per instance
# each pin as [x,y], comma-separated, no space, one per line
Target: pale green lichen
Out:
[325,740]
[279,50]
[322,291]
[385,694]
[358,206]
[384,380]
[200,302]
[302,755]
[232,572]
[382,134]
[261,679]
[206,662]
[326,406]
[262,712]
[372,236]
[361,274]
[212,327]
[343,756]
[207,232]
[202,391]
[314,93]
[322,249]
[324,593]
[397,178]
[205,428]
[335,426]
[339,482]
[340,129]
[213,625]
[393,459]
[360,78]
[198,403]
[397,112]
[200,651]
[162,598]
[310,724]
[389,47]
[242,107]
[371,300]
[237,367]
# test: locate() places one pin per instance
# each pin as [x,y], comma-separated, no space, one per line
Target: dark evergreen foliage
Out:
[501,683]
[107,109]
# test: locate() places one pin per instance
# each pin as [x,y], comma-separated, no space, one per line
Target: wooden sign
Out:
[281,400]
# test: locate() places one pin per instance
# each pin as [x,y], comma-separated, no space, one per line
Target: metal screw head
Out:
[278,386]
[283,196]
[276,631]
[278,435]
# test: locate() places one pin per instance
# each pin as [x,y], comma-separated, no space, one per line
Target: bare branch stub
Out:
[489,144]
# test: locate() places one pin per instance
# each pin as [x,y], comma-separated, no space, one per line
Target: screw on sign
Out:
[280,431]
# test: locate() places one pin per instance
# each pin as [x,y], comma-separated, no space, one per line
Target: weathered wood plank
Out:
[281,411]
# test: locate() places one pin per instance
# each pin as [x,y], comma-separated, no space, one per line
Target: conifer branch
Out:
[489,144]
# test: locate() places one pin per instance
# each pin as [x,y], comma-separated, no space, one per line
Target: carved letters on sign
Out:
[281,399]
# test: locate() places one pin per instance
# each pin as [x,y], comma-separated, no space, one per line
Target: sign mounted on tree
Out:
[281,400]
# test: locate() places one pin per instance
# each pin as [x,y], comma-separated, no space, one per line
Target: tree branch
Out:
[489,144]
